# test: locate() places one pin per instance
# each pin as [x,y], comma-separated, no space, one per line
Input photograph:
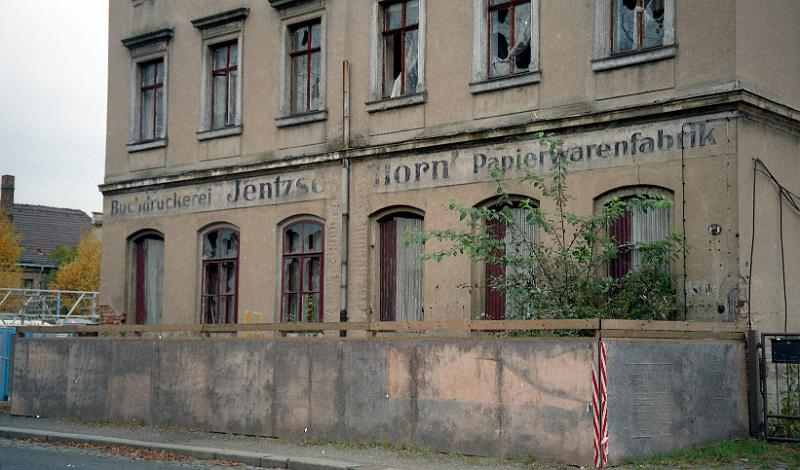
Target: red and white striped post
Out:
[600,408]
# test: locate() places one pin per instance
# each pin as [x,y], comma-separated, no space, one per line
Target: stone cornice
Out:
[279,4]
[734,101]
[148,38]
[221,18]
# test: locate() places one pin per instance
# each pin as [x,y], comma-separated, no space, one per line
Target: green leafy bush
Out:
[560,272]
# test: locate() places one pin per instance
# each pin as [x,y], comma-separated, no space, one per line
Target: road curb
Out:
[254,459]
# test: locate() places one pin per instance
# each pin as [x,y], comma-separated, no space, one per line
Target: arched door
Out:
[148,278]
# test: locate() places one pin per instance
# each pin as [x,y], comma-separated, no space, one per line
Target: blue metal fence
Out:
[6,337]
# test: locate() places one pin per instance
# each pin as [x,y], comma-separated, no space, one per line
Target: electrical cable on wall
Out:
[784,195]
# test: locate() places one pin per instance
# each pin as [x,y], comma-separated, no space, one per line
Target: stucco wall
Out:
[778,148]
[480,397]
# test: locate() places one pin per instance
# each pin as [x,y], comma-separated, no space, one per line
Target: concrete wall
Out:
[480,397]
[666,395]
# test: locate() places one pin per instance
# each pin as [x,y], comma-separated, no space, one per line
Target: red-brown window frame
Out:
[639,28]
[301,257]
[401,31]
[143,89]
[308,52]
[512,6]
[218,262]
[226,71]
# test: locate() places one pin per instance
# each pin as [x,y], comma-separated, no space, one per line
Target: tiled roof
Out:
[44,228]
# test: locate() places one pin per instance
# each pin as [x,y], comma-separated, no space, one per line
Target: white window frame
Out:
[604,60]
[216,30]
[145,48]
[376,100]
[285,116]
[481,82]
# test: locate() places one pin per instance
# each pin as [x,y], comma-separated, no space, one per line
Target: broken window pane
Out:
[653,23]
[300,74]
[500,42]
[624,27]
[521,50]
[411,62]
[291,240]
[392,54]
[315,82]
[315,34]
[313,236]
[412,12]
[394,16]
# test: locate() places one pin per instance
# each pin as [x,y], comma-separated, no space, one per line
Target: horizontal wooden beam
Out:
[646,325]
[607,327]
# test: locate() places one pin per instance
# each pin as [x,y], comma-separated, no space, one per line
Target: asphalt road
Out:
[17,455]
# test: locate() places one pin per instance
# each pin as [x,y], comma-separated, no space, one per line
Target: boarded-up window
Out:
[400,269]
[302,272]
[635,228]
[148,252]
[220,276]
[497,302]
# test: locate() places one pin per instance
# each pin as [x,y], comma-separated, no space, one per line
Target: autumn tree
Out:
[9,254]
[83,272]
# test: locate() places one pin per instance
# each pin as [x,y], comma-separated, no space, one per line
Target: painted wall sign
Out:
[586,151]
[236,193]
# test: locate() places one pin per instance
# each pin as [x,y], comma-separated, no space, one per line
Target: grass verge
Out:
[746,453]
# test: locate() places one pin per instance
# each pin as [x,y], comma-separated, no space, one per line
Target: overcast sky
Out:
[53,100]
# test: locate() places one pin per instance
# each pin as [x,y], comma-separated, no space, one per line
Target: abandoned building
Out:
[41,229]
[255,144]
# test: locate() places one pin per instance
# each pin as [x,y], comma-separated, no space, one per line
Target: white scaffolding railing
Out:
[47,307]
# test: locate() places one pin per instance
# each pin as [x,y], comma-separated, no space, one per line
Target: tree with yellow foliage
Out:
[9,254]
[83,272]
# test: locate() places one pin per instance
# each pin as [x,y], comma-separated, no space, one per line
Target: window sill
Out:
[502,83]
[638,57]
[146,145]
[217,133]
[301,118]
[392,103]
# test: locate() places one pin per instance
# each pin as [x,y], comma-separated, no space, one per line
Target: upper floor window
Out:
[220,271]
[306,64]
[505,44]
[632,32]
[636,24]
[151,100]
[398,54]
[302,272]
[400,48]
[148,116]
[509,37]
[221,81]
[224,84]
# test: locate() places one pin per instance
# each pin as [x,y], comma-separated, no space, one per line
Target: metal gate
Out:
[6,337]
[780,385]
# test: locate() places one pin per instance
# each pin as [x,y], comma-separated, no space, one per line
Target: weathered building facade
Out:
[264,157]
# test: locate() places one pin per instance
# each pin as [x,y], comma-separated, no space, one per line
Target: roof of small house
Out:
[42,228]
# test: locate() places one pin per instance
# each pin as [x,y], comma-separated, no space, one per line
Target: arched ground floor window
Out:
[220,273]
[302,270]
[399,268]
[497,303]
